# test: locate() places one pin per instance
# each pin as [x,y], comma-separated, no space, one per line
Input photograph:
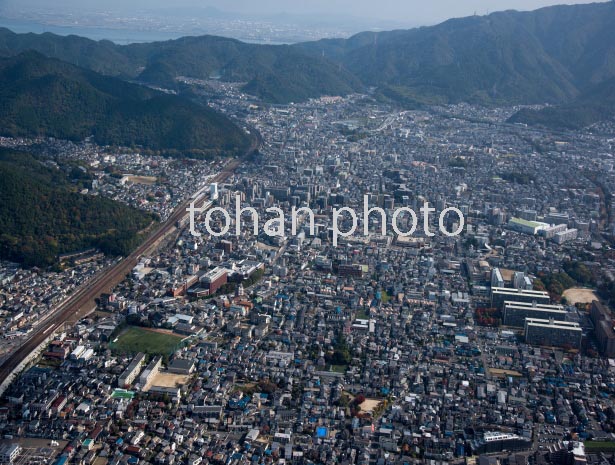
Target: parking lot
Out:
[549,434]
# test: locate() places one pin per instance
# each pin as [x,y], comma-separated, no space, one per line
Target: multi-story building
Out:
[551,231]
[569,453]
[515,313]
[499,295]
[557,218]
[553,333]
[603,328]
[215,279]
[352,269]
[496,278]
[565,236]
[132,371]
[9,452]
[150,371]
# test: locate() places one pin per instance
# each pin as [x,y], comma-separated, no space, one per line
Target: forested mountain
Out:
[42,215]
[547,55]
[41,96]
[597,104]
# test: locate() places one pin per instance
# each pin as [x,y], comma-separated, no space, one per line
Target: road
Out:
[82,301]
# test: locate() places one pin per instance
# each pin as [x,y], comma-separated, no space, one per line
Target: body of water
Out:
[119,36]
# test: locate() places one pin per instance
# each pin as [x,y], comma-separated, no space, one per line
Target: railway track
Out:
[81,302]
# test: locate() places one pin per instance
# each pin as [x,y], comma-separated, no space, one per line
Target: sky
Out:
[394,10]
[400,11]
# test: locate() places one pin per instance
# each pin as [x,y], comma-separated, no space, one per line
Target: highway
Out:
[82,301]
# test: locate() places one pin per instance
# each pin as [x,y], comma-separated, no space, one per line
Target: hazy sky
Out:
[398,10]
[410,11]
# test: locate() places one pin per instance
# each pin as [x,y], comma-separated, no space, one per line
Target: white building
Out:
[9,452]
[565,236]
[213,191]
[525,226]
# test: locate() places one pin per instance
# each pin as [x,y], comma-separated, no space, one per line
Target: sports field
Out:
[134,339]
[579,295]
[599,446]
[122,394]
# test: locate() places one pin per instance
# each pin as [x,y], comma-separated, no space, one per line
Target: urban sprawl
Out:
[495,346]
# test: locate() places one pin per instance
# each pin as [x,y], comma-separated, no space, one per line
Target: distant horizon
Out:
[159,21]
[397,11]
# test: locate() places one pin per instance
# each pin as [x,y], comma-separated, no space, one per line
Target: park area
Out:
[134,339]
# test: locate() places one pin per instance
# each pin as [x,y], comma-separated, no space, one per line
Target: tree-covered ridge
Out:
[41,96]
[548,55]
[277,73]
[42,215]
[597,104]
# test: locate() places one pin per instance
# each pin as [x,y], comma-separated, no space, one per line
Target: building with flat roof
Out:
[9,452]
[525,226]
[551,231]
[215,279]
[553,333]
[495,441]
[603,328]
[557,218]
[499,295]
[565,236]
[150,371]
[173,392]
[515,313]
[132,371]
[352,269]
[570,453]
[496,278]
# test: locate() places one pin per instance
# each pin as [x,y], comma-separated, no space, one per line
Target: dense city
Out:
[495,346]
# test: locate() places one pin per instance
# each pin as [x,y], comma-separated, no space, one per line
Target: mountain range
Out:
[278,73]
[551,55]
[559,56]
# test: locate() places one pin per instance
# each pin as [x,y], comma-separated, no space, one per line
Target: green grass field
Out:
[123,394]
[338,368]
[362,315]
[134,340]
[600,446]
